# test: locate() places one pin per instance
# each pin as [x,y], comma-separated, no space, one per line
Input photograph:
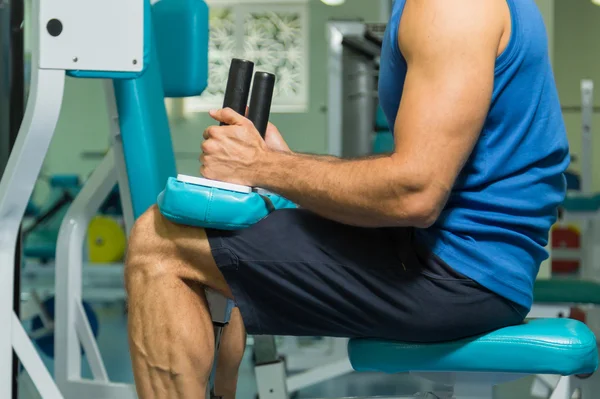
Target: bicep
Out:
[447,90]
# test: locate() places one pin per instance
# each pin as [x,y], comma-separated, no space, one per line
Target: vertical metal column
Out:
[12,108]
[587,111]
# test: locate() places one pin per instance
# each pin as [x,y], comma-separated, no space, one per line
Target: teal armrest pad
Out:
[210,207]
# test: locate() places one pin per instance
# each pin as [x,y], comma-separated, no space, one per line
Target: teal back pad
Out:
[147,145]
[181,32]
[143,120]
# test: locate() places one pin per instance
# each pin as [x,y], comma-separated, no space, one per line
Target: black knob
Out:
[54,27]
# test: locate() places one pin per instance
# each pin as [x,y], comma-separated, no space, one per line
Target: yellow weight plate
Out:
[106,240]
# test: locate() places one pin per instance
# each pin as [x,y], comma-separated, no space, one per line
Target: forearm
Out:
[361,192]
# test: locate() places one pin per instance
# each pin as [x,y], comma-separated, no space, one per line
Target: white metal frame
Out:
[72,326]
[85,43]
[36,131]
[16,187]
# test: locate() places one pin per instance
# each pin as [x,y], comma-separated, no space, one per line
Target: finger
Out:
[227,116]
[216,132]
[209,132]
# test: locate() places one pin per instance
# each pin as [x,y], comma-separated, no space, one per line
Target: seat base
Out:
[468,385]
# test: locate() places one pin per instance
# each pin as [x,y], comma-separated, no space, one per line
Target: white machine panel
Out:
[92,35]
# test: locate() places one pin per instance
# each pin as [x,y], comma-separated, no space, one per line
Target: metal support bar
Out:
[16,187]
[69,258]
[220,309]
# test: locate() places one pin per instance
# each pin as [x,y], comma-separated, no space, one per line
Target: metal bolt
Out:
[75,59]
[134,62]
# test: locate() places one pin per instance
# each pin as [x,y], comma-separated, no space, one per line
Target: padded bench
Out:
[470,367]
[545,346]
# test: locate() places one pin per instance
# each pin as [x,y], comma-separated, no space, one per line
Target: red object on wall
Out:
[565,237]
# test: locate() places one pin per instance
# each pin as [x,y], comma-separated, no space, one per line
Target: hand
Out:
[232,153]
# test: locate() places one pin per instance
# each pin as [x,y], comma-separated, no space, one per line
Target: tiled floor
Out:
[112,341]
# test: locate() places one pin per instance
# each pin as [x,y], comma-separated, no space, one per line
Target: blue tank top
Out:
[495,225]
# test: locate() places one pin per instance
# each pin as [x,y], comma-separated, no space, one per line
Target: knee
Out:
[158,247]
[145,232]
[147,242]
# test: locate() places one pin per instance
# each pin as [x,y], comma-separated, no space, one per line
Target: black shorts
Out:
[296,273]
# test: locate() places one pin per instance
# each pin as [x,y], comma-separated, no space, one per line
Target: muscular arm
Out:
[450,49]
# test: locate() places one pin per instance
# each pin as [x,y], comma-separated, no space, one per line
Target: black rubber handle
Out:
[238,85]
[260,101]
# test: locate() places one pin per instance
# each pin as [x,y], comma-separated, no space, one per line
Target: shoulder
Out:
[457,25]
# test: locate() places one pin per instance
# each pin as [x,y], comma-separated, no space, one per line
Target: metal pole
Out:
[12,109]
[587,105]
[5,62]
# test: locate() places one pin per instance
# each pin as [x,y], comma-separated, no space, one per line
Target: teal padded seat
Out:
[544,346]
[579,203]
[566,291]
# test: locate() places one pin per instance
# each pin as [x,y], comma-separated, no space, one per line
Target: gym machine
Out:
[354,49]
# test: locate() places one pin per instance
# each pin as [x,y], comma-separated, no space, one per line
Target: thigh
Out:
[295,273]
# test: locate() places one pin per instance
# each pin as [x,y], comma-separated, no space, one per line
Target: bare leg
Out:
[170,328]
[233,344]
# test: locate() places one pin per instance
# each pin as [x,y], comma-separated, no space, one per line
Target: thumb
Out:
[274,139]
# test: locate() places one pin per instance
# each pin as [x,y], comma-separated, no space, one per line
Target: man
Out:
[438,241]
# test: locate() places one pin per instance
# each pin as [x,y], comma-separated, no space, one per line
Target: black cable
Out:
[17,110]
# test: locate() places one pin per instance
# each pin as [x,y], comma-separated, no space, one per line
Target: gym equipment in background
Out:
[42,325]
[106,240]
[354,123]
[41,232]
